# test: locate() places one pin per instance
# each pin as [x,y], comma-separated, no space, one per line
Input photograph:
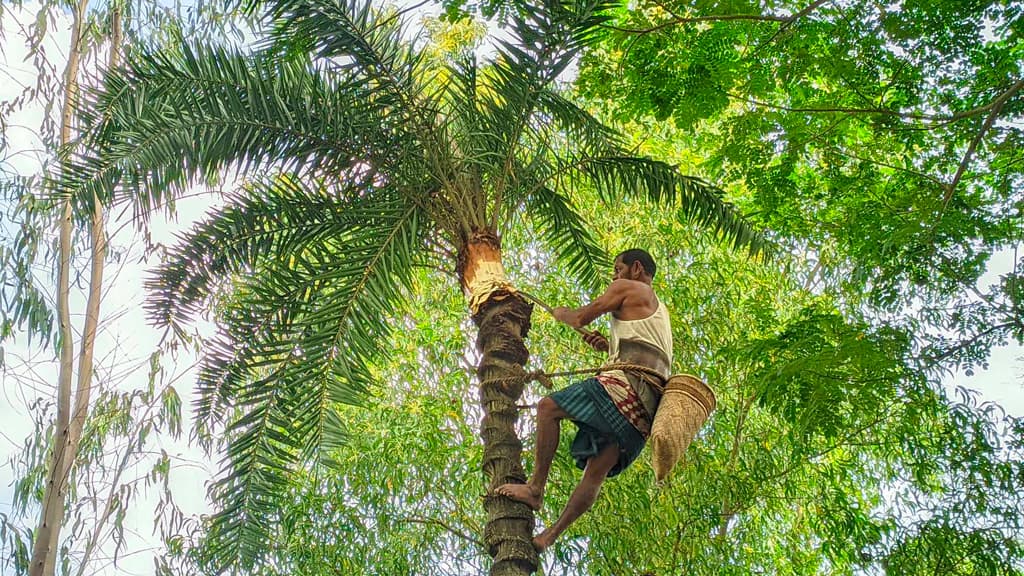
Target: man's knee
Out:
[548,409]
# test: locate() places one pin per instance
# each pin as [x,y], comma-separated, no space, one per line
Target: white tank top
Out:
[655,330]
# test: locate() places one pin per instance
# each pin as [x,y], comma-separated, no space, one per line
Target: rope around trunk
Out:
[545,377]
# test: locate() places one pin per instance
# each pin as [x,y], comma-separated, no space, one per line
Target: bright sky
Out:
[128,339]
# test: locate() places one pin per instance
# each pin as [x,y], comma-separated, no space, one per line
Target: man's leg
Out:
[549,417]
[583,496]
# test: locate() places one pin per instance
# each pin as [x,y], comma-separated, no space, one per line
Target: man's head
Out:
[635,264]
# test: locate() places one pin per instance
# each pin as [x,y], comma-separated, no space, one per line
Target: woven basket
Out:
[685,407]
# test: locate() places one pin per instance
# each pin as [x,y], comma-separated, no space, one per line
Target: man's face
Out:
[619,270]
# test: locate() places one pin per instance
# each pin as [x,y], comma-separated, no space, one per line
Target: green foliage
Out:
[98,495]
[112,474]
[23,306]
[363,160]
[824,376]
[831,450]
[280,390]
[399,496]
[341,373]
[27,212]
[14,542]
[876,140]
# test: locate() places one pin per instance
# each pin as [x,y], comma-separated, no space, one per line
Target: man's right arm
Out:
[610,301]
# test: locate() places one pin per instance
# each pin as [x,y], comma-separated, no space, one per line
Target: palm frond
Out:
[356,36]
[587,134]
[471,150]
[545,40]
[310,287]
[700,203]
[283,217]
[176,115]
[547,36]
[568,236]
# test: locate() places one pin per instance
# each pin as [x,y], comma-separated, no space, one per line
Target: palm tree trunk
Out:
[503,320]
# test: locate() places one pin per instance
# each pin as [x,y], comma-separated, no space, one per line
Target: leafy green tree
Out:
[831,451]
[882,142]
[361,166]
[834,448]
[114,467]
[72,401]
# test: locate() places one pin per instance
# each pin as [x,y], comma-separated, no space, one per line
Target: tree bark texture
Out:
[503,320]
[68,427]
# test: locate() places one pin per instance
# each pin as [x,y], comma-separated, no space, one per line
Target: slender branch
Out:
[786,21]
[98,243]
[937,120]
[115,485]
[831,127]
[443,524]
[846,440]
[65,442]
[809,283]
[810,8]
[928,177]
[785,26]
[727,507]
[844,110]
[996,106]
[960,346]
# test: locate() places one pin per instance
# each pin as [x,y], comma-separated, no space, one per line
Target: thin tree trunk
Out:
[503,320]
[99,257]
[68,427]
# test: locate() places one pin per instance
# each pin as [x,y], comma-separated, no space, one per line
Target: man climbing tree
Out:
[355,176]
[615,409]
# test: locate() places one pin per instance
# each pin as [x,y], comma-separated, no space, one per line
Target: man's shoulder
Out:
[632,287]
[626,284]
[634,295]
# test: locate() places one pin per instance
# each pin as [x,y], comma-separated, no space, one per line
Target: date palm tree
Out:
[361,162]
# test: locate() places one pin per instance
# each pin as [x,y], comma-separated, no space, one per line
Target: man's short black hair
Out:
[638,255]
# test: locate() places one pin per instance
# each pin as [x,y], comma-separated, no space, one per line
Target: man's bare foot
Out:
[524,493]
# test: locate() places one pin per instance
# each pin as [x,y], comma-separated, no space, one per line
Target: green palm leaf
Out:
[177,115]
[299,332]
[545,40]
[622,176]
[366,44]
[568,236]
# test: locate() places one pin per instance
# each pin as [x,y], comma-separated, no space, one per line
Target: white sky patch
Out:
[1003,381]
